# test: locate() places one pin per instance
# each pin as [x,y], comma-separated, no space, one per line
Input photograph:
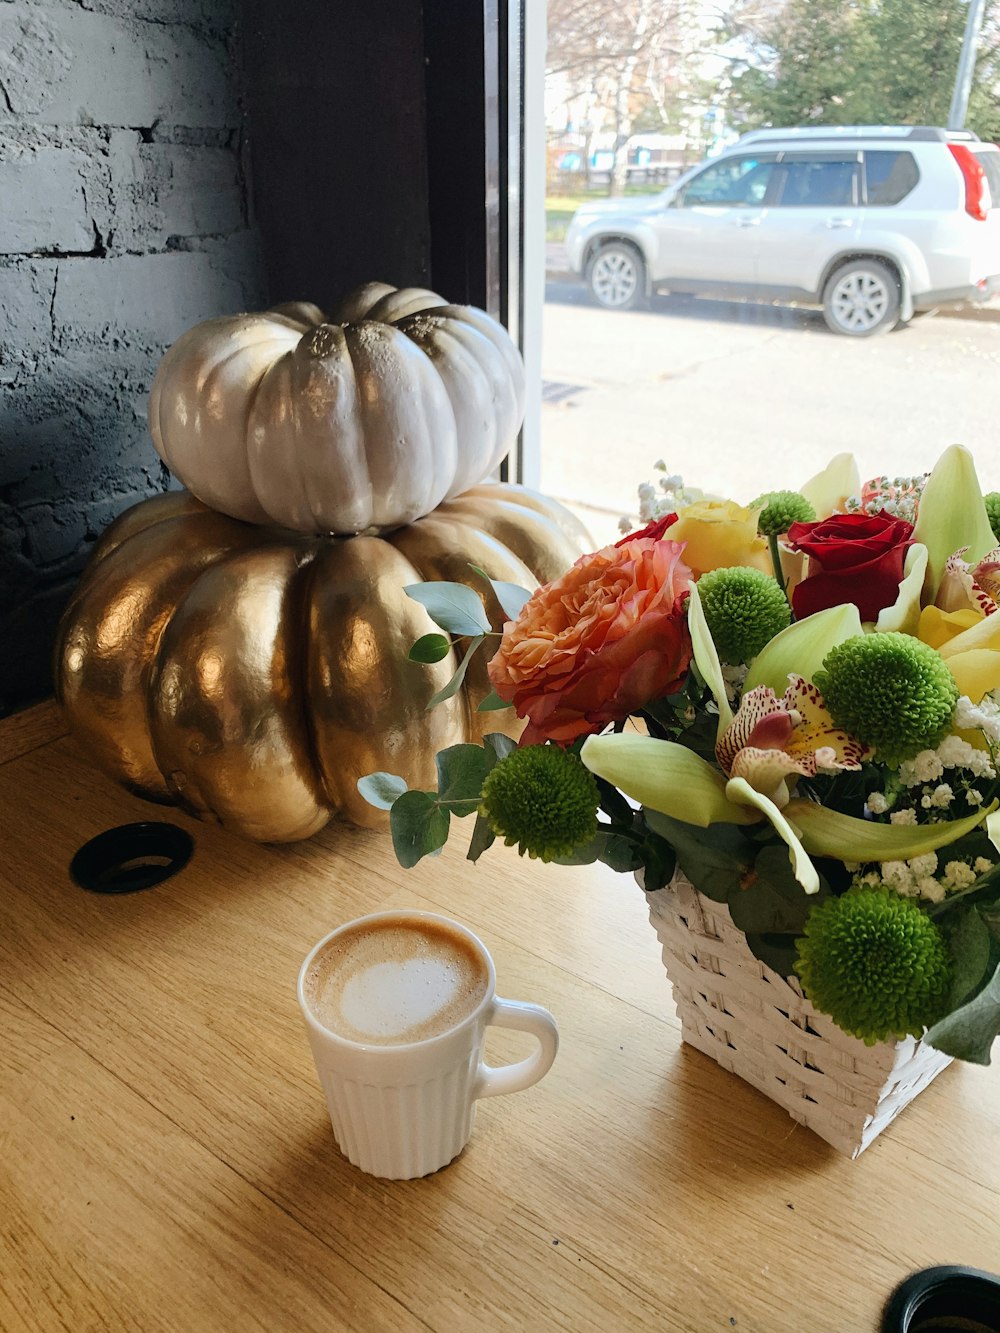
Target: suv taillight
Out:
[975,180]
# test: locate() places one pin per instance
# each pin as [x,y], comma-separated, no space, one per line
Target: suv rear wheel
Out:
[861,298]
[616,275]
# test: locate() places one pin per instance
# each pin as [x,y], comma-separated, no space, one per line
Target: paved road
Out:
[741,398]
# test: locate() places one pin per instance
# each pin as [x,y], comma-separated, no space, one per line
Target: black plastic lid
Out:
[945,1300]
[131,857]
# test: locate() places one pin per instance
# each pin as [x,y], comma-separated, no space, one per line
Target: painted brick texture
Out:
[124,219]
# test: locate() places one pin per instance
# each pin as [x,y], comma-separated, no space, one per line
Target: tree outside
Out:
[869,62]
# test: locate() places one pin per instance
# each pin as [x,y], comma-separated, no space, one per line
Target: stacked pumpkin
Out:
[241,648]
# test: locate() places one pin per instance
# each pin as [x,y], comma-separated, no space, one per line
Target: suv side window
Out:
[818,182]
[889,177]
[736,182]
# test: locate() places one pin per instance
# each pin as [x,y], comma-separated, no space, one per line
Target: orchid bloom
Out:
[966,587]
[772,740]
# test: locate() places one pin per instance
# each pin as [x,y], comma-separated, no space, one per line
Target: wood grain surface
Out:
[168,1163]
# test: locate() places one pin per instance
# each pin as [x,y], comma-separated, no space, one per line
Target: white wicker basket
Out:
[757,1024]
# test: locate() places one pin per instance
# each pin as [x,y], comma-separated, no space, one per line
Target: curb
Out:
[988,313]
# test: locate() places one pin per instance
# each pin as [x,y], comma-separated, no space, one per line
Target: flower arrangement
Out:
[795,702]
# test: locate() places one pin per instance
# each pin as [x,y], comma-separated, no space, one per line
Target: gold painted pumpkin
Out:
[357,422]
[253,674]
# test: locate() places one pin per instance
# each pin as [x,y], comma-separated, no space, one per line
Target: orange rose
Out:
[598,643]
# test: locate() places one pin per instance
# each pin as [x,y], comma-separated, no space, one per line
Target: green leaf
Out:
[381,789]
[620,853]
[614,804]
[714,859]
[500,744]
[430,648]
[419,826]
[777,951]
[801,648]
[455,684]
[969,946]
[492,703]
[584,855]
[990,917]
[773,902]
[968,1032]
[511,596]
[707,658]
[453,606]
[664,776]
[462,770]
[483,838]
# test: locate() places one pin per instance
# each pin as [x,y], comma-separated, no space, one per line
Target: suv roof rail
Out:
[840,132]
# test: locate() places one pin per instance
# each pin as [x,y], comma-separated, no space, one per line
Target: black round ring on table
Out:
[946,1300]
[131,857]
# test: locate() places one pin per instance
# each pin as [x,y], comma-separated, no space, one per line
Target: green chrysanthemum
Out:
[891,691]
[781,509]
[875,963]
[745,609]
[993,512]
[543,799]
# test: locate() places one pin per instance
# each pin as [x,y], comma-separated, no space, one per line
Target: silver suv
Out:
[872,222]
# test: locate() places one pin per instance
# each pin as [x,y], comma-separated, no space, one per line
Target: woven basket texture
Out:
[757,1024]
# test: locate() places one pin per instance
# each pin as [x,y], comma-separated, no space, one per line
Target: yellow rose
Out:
[720,533]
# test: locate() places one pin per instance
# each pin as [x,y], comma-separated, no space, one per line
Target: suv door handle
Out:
[748,222]
[838,222]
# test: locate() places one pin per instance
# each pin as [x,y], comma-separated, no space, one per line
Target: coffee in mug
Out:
[396,1007]
[396,981]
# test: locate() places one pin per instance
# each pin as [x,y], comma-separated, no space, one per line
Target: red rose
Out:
[852,558]
[598,643]
[655,529]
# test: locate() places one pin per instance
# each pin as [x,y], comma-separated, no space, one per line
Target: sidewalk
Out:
[557,269]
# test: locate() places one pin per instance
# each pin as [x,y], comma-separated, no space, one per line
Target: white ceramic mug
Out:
[404,1107]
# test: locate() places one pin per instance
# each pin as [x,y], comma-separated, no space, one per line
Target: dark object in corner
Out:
[131,857]
[945,1300]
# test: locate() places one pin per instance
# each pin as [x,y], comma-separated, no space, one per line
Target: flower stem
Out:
[779,577]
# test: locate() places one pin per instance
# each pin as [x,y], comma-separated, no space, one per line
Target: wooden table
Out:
[168,1164]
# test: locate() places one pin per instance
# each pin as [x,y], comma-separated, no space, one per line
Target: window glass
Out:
[818,184]
[990,162]
[739,182]
[889,176]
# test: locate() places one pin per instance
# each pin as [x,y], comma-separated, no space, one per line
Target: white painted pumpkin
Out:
[360,423]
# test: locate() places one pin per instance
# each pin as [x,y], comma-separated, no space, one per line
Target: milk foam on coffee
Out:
[397,981]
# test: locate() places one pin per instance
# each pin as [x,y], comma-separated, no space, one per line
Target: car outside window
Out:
[818,183]
[889,177]
[734,182]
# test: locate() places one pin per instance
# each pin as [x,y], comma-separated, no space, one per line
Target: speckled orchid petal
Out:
[963,588]
[817,732]
[801,648]
[767,771]
[952,515]
[757,708]
[903,614]
[987,575]
[828,491]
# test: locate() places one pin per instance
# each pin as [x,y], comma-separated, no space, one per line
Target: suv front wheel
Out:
[861,298]
[616,275]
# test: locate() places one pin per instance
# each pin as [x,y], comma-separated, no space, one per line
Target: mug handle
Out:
[492,1082]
